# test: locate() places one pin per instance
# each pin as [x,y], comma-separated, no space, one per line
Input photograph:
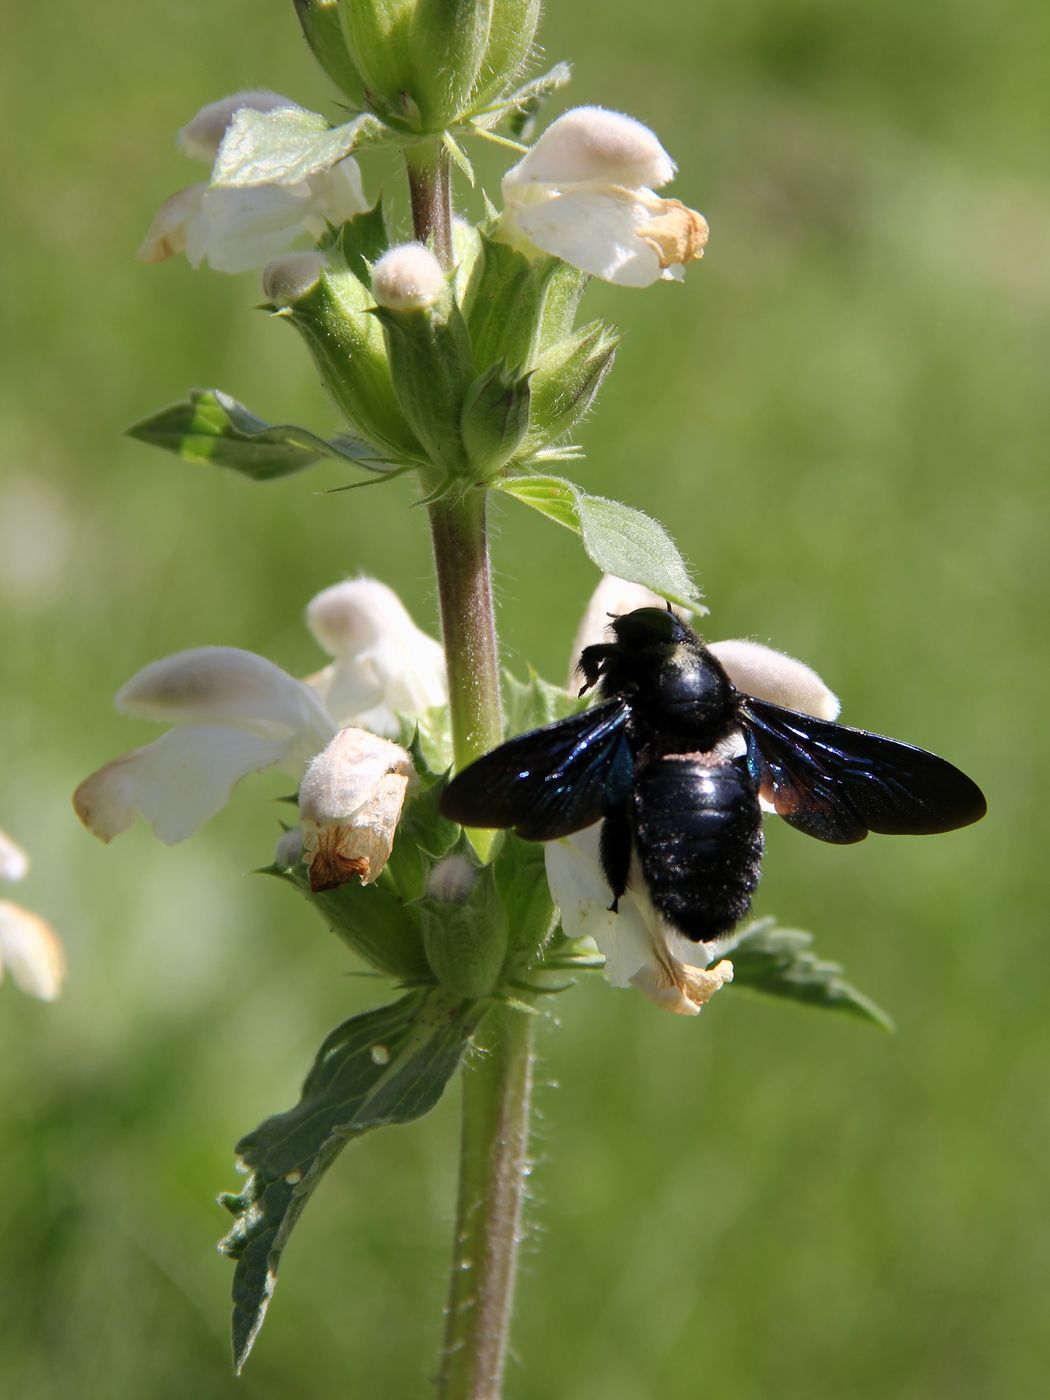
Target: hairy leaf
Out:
[780,962]
[382,1067]
[210,426]
[287,146]
[618,538]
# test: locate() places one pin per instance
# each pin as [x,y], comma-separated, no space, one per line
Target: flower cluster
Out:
[29,947]
[233,713]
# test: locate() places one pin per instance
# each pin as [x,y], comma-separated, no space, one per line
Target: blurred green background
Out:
[843,416]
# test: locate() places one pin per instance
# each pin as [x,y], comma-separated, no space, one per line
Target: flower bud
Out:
[323,30]
[465,940]
[495,418]
[291,276]
[451,880]
[565,382]
[428,347]
[509,48]
[348,348]
[419,59]
[408,278]
[289,849]
[350,803]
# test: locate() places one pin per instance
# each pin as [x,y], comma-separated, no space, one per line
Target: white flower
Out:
[384,665]
[234,228]
[641,949]
[29,947]
[233,713]
[349,804]
[584,193]
[408,278]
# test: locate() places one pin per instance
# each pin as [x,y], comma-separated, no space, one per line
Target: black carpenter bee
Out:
[673,761]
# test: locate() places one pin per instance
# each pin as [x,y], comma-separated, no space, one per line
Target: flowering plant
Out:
[453,354]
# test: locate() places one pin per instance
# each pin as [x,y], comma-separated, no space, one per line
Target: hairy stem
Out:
[497,1083]
[494,1147]
[468,627]
[430,188]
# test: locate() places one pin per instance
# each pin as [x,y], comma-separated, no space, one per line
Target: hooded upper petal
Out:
[593,143]
[770,675]
[226,685]
[384,664]
[202,135]
[177,783]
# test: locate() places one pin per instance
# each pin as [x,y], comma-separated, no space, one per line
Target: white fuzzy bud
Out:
[291,276]
[408,278]
[452,879]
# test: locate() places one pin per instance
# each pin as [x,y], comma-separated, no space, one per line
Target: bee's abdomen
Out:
[698,830]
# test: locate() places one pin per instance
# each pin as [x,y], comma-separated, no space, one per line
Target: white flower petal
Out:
[287,278]
[592,143]
[177,783]
[579,889]
[338,192]
[596,231]
[242,227]
[14,863]
[342,778]
[350,802]
[30,950]
[226,684]
[168,232]
[384,662]
[202,135]
[770,675]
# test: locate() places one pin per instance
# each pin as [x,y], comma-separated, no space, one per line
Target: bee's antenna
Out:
[668,605]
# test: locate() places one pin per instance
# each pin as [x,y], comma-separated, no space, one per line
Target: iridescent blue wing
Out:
[838,783]
[551,781]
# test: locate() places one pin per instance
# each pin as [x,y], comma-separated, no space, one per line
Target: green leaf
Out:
[371,920]
[521,882]
[386,1066]
[288,145]
[359,241]
[780,963]
[521,106]
[210,426]
[531,703]
[618,538]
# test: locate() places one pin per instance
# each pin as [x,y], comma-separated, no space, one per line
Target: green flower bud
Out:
[332,316]
[449,42]
[511,36]
[374,922]
[464,934]
[428,346]
[495,419]
[566,379]
[323,30]
[419,59]
[504,304]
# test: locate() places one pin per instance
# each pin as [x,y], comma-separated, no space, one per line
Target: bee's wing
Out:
[551,781]
[838,783]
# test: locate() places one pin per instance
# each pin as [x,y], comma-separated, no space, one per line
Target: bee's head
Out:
[648,627]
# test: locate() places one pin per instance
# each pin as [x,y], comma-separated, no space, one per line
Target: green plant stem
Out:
[468,627]
[430,188]
[496,1093]
[497,1081]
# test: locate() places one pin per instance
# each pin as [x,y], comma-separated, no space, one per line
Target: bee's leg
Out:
[589,665]
[615,852]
